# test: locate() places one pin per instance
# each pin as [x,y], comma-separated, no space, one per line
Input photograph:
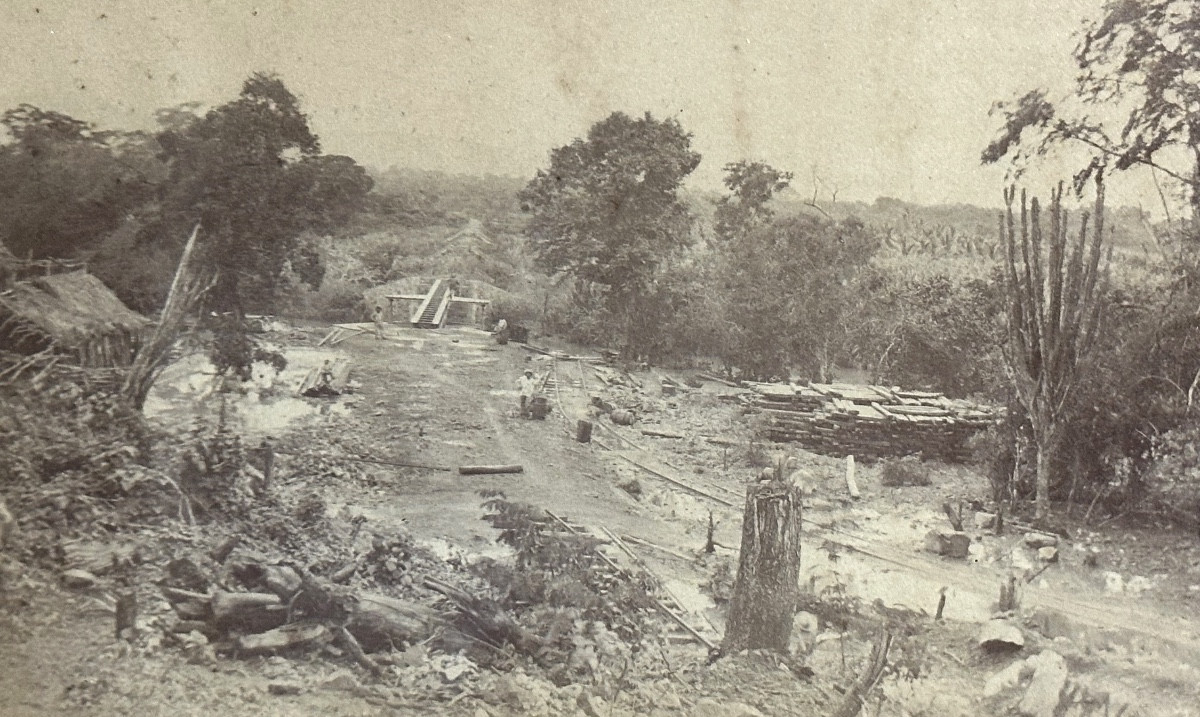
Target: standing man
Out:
[526,387]
[377,317]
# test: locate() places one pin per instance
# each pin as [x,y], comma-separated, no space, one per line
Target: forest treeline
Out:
[608,245]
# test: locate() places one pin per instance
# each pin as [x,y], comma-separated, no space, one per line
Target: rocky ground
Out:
[370,478]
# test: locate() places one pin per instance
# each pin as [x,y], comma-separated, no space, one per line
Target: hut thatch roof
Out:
[69,309]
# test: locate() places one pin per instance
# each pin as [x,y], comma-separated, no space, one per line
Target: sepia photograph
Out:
[706,358]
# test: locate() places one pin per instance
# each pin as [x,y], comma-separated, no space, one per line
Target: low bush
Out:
[906,471]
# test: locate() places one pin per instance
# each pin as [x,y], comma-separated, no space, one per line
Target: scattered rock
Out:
[1138,584]
[284,688]
[342,683]
[185,573]
[1048,554]
[806,621]
[984,521]
[454,667]
[1040,540]
[1001,635]
[952,544]
[592,705]
[1005,679]
[1045,692]
[414,656]
[78,579]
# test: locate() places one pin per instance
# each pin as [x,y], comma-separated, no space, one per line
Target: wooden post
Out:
[583,431]
[767,586]
[851,484]
[126,614]
[268,462]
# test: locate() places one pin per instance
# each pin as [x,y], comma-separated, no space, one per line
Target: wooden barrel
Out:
[583,431]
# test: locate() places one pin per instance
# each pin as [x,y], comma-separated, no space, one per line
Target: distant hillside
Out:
[429,197]
[957,223]
[421,198]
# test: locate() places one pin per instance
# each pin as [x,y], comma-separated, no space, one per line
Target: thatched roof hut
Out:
[74,313]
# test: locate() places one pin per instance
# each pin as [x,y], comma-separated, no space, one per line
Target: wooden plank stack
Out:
[870,421]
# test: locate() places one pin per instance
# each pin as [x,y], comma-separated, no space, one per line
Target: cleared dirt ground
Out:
[445,398]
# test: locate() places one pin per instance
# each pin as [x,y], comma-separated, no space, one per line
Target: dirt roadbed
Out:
[426,402]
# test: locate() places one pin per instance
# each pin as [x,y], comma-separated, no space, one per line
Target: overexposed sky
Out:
[880,97]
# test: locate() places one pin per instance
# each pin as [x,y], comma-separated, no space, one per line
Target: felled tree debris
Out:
[287,608]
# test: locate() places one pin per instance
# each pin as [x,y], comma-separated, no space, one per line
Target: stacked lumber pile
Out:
[844,419]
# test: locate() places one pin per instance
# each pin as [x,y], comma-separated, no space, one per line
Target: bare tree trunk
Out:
[1045,462]
[764,596]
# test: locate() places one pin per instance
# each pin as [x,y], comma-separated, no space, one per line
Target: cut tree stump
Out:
[763,606]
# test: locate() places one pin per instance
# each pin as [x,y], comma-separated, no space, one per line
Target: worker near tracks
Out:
[526,388]
[377,317]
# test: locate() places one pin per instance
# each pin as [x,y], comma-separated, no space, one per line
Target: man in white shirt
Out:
[526,388]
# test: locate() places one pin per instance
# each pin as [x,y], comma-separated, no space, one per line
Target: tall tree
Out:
[607,209]
[752,186]
[251,173]
[64,184]
[790,290]
[1141,58]
[1055,285]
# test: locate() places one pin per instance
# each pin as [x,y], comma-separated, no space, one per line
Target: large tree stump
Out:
[767,586]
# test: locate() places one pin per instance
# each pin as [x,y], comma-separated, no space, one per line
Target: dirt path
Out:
[447,398]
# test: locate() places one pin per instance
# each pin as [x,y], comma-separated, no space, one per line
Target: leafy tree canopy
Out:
[64,184]
[1136,100]
[606,210]
[251,173]
[751,186]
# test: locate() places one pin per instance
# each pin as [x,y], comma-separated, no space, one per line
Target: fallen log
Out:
[660,434]
[489,470]
[247,612]
[175,595]
[99,558]
[718,379]
[297,634]
[379,622]
[222,551]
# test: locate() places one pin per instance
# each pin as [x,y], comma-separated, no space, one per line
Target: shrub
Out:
[336,300]
[632,487]
[906,471]
[516,310]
